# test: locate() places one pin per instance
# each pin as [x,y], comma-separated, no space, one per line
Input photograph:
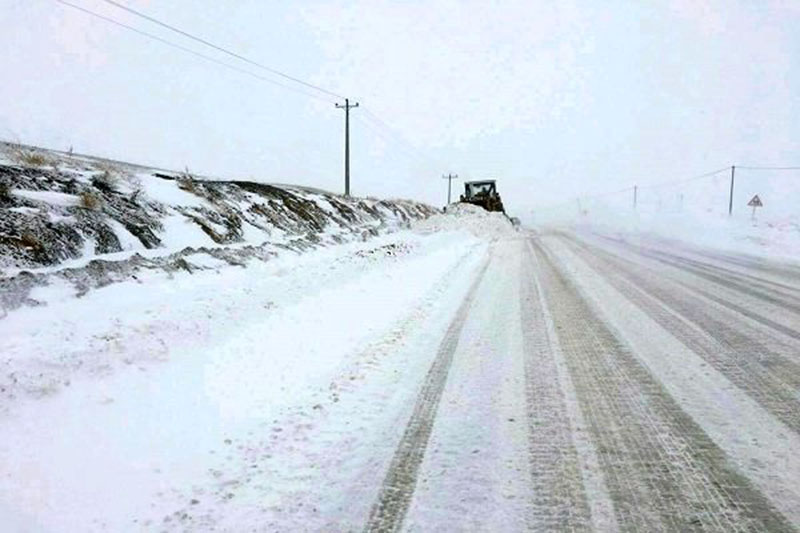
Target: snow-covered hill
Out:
[89,222]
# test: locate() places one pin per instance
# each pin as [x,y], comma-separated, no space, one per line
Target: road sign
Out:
[755,201]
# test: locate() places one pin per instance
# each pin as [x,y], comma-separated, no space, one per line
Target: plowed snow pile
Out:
[467,217]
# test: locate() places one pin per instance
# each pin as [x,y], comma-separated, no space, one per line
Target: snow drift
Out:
[467,217]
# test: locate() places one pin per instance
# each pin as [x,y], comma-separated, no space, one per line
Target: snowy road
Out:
[430,383]
[602,386]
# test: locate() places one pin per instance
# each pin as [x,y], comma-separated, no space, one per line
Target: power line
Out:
[371,116]
[633,188]
[686,180]
[768,168]
[410,148]
[223,50]
[604,194]
[190,51]
[371,127]
[382,124]
[401,147]
[375,119]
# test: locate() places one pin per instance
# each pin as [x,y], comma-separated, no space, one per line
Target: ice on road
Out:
[436,380]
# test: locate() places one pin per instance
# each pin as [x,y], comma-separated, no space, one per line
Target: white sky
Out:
[550,98]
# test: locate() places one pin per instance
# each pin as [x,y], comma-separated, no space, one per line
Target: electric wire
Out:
[391,139]
[399,139]
[375,124]
[766,168]
[370,120]
[669,183]
[400,148]
[631,188]
[380,126]
[193,52]
[222,49]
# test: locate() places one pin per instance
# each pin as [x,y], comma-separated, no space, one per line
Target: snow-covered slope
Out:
[89,222]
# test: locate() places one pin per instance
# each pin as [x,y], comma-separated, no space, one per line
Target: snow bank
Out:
[470,218]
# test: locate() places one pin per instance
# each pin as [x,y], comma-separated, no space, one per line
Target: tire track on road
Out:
[755,290]
[559,498]
[776,268]
[780,270]
[752,311]
[741,277]
[395,494]
[777,326]
[769,377]
[662,470]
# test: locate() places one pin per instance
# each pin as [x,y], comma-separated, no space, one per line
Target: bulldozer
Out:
[484,194]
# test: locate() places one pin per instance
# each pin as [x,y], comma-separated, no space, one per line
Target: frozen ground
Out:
[456,376]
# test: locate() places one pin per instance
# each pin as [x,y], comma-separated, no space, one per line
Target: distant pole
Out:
[730,199]
[449,178]
[346,108]
[635,190]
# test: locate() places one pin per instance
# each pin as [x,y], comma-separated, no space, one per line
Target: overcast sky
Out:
[550,98]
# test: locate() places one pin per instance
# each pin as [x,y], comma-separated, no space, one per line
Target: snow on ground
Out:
[460,375]
[48,197]
[167,192]
[479,437]
[777,238]
[696,212]
[49,212]
[704,393]
[469,218]
[146,398]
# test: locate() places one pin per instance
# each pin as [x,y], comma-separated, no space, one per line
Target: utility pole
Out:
[635,191]
[347,105]
[730,199]
[449,178]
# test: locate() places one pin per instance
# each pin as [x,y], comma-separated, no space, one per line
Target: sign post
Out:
[754,202]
